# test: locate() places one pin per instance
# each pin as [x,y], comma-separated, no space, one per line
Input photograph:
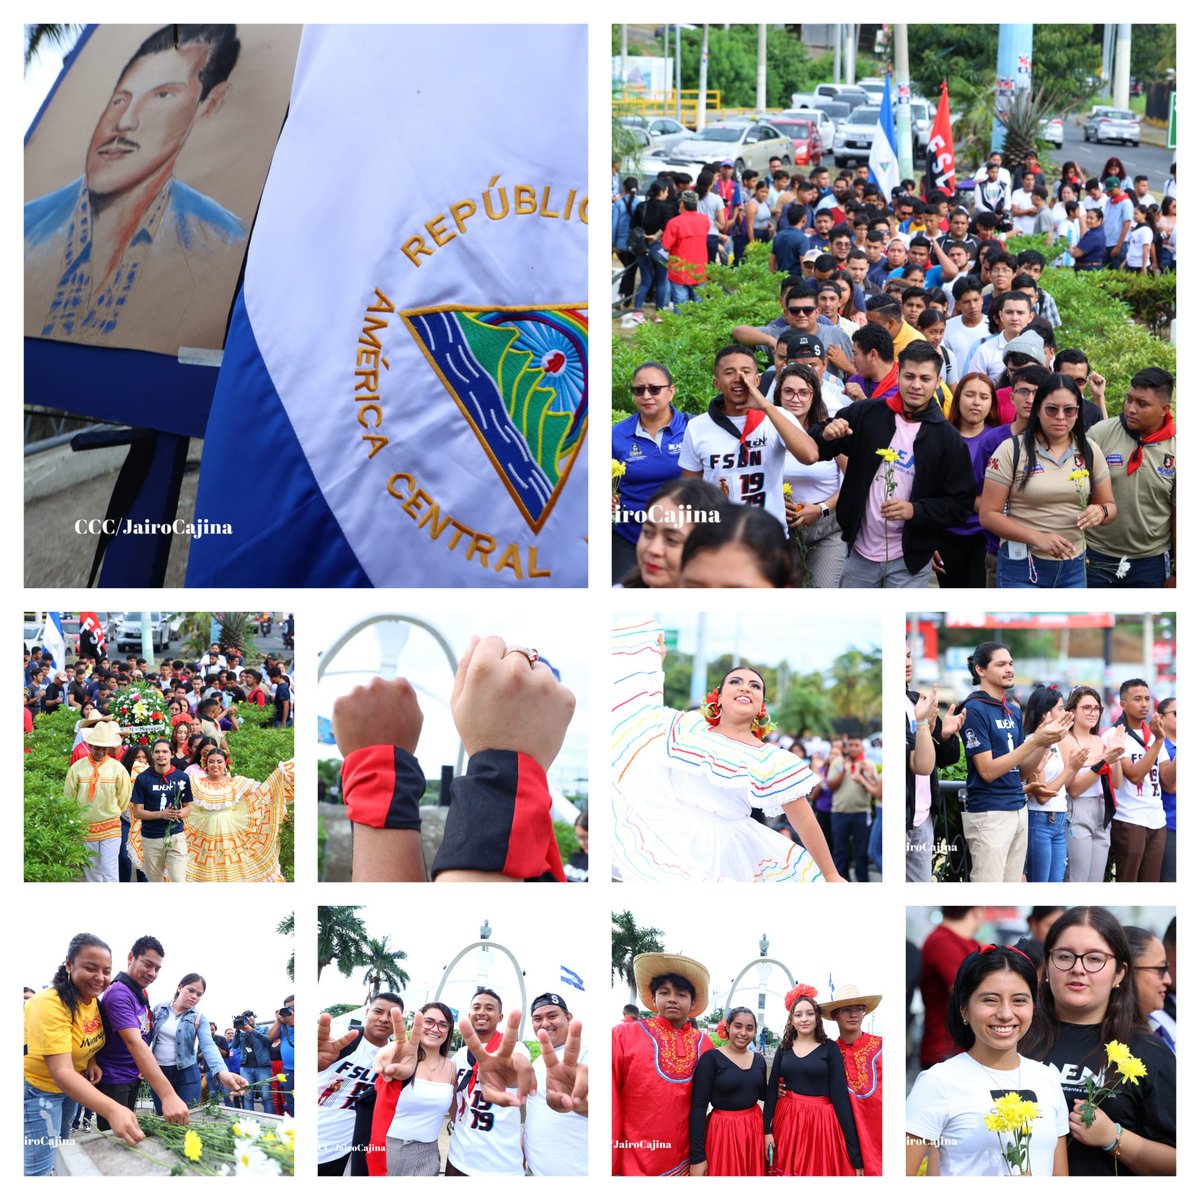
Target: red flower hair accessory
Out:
[711,708]
[723,1030]
[800,990]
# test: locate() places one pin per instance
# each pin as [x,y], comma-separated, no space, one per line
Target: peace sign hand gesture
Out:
[500,1071]
[398,1059]
[566,1080]
[328,1048]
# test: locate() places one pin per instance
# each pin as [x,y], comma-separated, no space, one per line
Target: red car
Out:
[806,139]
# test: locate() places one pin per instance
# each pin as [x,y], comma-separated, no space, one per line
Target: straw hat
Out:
[100,731]
[845,996]
[647,966]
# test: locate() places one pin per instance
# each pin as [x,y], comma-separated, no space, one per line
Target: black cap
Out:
[548,998]
[807,346]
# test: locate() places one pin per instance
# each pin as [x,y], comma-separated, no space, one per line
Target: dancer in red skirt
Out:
[734,1082]
[810,1128]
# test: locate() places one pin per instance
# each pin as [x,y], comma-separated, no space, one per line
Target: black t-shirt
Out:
[1147,1109]
[282,693]
[576,869]
[78,692]
[724,1085]
[821,1072]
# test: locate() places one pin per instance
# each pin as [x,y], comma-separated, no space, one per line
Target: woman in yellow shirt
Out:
[63,1033]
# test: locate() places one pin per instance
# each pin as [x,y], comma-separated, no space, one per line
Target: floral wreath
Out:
[140,712]
[710,710]
[799,991]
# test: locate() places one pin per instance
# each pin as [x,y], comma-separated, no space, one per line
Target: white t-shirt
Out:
[1054,768]
[715,453]
[421,1110]
[988,356]
[164,1042]
[949,1101]
[555,1143]
[1140,236]
[713,206]
[1142,803]
[1022,199]
[338,1088]
[486,1139]
[962,339]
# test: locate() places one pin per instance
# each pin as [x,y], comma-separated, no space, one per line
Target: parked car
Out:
[806,139]
[852,143]
[1113,125]
[874,89]
[850,93]
[825,127]
[753,144]
[836,110]
[129,635]
[663,133]
[1052,130]
[922,122]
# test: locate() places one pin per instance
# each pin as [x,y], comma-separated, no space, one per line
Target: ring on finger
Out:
[531,654]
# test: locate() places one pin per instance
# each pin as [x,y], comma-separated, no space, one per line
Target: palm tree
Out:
[341,938]
[37,36]
[856,679]
[287,928]
[628,941]
[383,966]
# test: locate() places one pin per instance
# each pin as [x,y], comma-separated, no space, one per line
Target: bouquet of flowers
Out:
[1128,1069]
[1012,1115]
[618,473]
[141,713]
[1083,486]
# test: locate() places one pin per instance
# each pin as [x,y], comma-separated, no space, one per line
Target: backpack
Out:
[637,235]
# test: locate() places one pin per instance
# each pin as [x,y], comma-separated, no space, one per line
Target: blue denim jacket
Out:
[190,1023]
[256,1041]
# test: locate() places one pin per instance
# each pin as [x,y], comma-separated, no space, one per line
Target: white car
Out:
[752,144]
[662,133]
[1052,131]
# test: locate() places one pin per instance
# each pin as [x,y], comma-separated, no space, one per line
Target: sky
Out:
[424,663]
[712,928]
[541,941]
[245,965]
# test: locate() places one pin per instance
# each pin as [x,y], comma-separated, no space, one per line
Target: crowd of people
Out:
[1077,1021]
[386,1091]
[152,769]
[499,823]
[1048,797]
[920,419]
[95,1043]
[717,793]
[683,1105]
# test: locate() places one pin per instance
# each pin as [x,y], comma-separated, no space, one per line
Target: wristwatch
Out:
[824,508]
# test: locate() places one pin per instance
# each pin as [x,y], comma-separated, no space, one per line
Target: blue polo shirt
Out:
[648,464]
[789,247]
[995,726]
[1092,247]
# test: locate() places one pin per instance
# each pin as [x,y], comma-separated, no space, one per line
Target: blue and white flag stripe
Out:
[883,164]
[570,978]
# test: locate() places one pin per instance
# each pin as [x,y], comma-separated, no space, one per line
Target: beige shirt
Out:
[851,796]
[1145,499]
[1050,501]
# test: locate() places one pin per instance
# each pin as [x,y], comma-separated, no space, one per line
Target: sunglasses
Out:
[653,389]
[798,310]
[1054,411]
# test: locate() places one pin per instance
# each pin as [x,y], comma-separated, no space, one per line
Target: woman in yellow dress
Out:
[233,826]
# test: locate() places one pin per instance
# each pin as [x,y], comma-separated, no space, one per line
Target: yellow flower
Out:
[1116,1051]
[994,1122]
[281,1078]
[1131,1069]
[1078,475]
[888,454]
[1012,1114]
[787,490]
[193,1147]
[618,468]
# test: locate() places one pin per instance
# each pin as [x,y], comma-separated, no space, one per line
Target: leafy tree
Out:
[856,679]
[37,37]
[287,928]
[341,938]
[338,1010]
[628,941]
[383,967]
[1152,52]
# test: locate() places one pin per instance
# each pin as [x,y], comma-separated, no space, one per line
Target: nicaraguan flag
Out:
[54,641]
[831,987]
[883,164]
[403,395]
[570,978]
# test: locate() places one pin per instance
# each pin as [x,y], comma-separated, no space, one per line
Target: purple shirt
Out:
[980,448]
[123,1009]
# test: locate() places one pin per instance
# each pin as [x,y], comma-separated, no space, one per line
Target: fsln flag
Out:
[90,623]
[406,365]
[54,640]
[570,978]
[939,154]
[882,164]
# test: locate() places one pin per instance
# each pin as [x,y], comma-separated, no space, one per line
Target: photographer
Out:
[251,1039]
[282,1033]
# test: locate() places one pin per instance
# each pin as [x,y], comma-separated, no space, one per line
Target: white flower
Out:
[1123,567]
[249,1130]
[251,1160]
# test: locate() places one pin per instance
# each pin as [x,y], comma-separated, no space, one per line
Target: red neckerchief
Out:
[888,382]
[1135,459]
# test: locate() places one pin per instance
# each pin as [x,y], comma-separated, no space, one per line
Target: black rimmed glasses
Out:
[1161,971]
[1093,961]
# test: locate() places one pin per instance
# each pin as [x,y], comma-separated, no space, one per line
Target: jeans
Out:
[875,841]
[683,293]
[47,1120]
[918,863]
[1046,853]
[1034,572]
[850,829]
[287,1090]
[260,1095]
[645,279]
[864,572]
[185,1081]
[1139,572]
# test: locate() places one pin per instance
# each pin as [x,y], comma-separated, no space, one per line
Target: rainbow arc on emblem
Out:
[519,377]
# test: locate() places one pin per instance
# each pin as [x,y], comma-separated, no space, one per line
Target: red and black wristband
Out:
[382,787]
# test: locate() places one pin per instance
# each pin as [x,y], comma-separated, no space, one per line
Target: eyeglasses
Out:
[1054,411]
[1093,960]
[653,389]
[805,310]
[1161,972]
[1024,391]
[440,1026]
[1088,707]
[855,1010]
[795,393]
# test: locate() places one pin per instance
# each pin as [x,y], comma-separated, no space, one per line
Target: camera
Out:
[286,1012]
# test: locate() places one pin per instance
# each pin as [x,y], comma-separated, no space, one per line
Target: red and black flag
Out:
[939,154]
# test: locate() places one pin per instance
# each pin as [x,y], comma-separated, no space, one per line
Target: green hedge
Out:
[54,833]
[1100,311]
